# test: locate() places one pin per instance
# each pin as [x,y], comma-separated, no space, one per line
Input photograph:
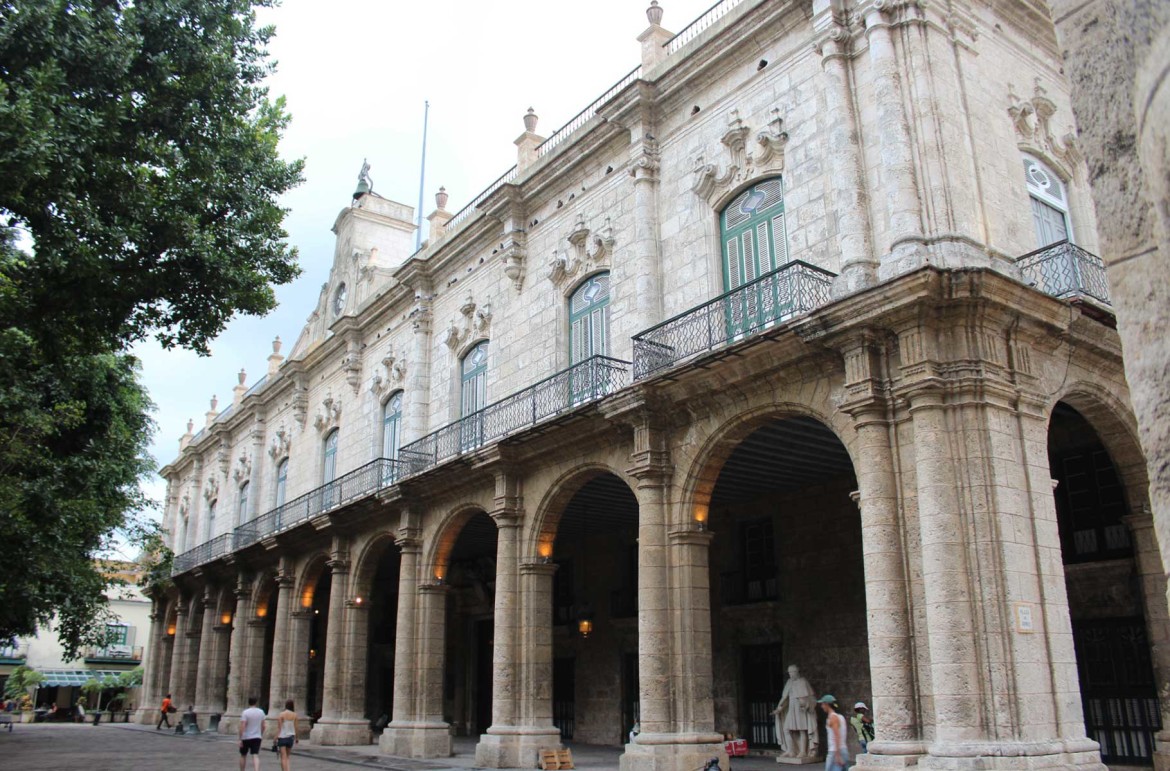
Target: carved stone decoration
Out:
[223,456]
[514,251]
[329,414]
[352,364]
[185,505]
[300,401]
[243,470]
[587,252]
[477,320]
[392,376]
[420,314]
[1032,119]
[278,449]
[748,161]
[211,489]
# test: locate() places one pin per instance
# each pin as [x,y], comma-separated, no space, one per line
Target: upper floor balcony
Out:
[113,654]
[13,654]
[1065,270]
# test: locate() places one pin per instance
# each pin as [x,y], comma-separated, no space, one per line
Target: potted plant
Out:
[22,684]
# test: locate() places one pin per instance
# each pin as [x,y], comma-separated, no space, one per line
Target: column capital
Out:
[338,565]
[537,567]
[691,537]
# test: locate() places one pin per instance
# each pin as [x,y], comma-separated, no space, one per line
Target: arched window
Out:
[329,467]
[752,231]
[211,519]
[1049,198]
[589,319]
[392,426]
[281,481]
[243,505]
[473,384]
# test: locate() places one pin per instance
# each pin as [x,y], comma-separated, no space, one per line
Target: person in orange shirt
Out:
[164,713]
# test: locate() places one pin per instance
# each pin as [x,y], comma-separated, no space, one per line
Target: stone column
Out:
[646,264]
[282,657]
[418,375]
[242,666]
[206,660]
[339,724]
[903,208]
[497,746]
[536,651]
[949,612]
[1153,587]
[694,707]
[418,729]
[296,682]
[149,697]
[179,649]
[858,265]
[891,639]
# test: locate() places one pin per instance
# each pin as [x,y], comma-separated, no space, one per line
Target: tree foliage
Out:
[21,679]
[139,179]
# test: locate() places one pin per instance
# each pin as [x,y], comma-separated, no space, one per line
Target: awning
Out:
[75,677]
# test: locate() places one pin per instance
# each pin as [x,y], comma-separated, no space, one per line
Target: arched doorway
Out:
[595,611]
[268,599]
[1107,600]
[787,573]
[315,601]
[469,572]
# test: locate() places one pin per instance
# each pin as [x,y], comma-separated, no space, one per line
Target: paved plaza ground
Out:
[64,747]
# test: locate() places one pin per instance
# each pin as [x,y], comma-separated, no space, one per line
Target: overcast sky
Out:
[355,74]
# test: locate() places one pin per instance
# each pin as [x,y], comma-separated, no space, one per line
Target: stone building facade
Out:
[793,347]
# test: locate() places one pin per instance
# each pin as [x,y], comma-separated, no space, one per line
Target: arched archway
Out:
[786,570]
[308,638]
[1100,499]
[376,582]
[266,604]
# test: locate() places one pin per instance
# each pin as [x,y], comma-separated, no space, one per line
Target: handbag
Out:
[275,745]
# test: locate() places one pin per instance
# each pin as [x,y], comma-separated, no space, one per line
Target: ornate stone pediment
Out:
[211,489]
[1032,119]
[587,251]
[328,414]
[476,321]
[392,375]
[243,470]
[748,160]
[281,439]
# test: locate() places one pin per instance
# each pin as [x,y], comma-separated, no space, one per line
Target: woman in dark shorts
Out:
[286,734]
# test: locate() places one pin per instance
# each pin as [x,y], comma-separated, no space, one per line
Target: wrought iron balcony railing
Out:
[1064,269]
[786,292]
[13,652]
[357,484]
[568,389]
[127,653]
[203,553]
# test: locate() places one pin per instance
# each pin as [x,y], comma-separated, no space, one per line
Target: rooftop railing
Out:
[1064,269]
[581,118]
[786,292]
[469,209]
[696,27]
[587,381]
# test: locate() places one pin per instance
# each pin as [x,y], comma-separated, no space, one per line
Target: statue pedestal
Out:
[806,761]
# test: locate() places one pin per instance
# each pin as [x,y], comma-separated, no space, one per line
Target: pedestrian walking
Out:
[164,713]
[251,732]
[838,754]
[286,734]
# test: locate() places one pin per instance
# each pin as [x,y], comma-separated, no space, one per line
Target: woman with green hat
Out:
[838,754]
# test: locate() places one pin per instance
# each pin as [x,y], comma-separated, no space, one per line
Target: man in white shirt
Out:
[251,733]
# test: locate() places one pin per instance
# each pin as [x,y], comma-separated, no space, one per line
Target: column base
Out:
[673,752]
[229,723]
[510,747]
[1080,754]
[146,716]
[416,740]
[336,732]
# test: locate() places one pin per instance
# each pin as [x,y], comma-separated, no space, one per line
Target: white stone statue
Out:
[796,720]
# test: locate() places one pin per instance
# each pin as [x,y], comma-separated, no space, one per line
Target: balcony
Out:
[1065,270]
[13,654]
[789,291]
[114,654]
[588,381]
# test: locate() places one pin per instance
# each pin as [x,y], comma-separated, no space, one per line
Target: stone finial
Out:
[274,359]
[527,142]
[190,426]
[441,199]
[214,402]
[530,119]
[213,412]
[654,13]
[242,376]
[240,388]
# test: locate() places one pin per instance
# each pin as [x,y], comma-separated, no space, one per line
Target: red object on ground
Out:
[736,748]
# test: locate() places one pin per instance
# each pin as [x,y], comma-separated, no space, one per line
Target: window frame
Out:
[390,449]
[281,491]
[1040,196]
[329,456]
[595,313]
[242,501]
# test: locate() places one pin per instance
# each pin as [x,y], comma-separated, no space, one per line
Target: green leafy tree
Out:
[139,180]
[21,679]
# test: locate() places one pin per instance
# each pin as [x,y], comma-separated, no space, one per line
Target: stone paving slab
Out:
[121,747]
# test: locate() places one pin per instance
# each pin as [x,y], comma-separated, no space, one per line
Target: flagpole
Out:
[422,173]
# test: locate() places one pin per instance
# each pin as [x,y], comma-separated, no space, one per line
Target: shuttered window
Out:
[329,471]
[589,319]
[474,379]
[392,426]
[281,481]
[243,507]
[752,231]
[1049,199]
